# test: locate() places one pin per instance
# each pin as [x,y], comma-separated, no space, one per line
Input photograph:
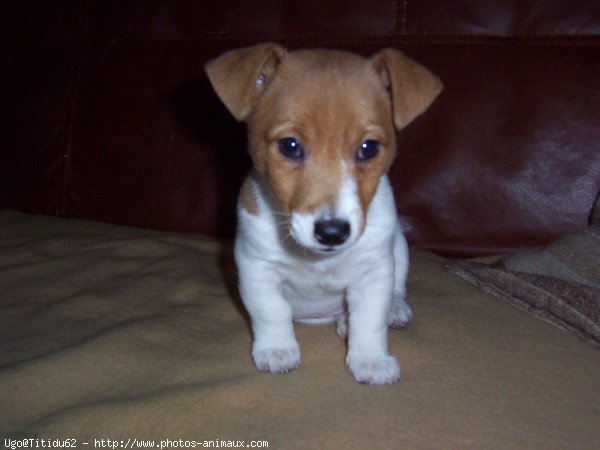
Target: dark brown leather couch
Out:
[107,114]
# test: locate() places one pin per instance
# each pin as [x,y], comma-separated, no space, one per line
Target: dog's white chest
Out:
[316,293]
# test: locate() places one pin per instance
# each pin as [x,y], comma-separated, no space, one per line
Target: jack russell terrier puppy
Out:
[318,235]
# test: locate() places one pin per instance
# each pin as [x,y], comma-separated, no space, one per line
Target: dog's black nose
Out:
[332,232]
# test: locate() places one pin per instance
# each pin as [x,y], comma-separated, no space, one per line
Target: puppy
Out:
[318,235]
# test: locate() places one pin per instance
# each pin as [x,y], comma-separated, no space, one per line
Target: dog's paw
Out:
[400,314]
[277,360]
[385,370]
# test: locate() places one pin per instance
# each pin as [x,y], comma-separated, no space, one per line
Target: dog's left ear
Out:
[239,77]
[413,88]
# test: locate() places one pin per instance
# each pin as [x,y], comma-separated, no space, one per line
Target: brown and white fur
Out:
[318,235]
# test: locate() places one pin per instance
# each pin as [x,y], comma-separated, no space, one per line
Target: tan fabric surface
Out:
[574,258]
[559,283]
[110,332]
[572,307]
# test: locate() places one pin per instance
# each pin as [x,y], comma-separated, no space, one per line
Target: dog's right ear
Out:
[239,77]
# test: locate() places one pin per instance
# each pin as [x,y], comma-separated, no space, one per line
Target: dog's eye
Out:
[291,148]
[369,149]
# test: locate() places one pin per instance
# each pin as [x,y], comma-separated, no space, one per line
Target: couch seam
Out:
[404,22]
[71,100]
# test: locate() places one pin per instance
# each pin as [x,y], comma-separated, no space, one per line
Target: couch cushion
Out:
[117,333]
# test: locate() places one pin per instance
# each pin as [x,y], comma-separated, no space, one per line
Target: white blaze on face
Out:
[345,208]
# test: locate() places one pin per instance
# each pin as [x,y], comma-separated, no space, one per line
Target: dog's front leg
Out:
[368,304]
[274,348]
[400,314]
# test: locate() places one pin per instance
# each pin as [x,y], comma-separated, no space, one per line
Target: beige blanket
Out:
[110,335]
[559,283]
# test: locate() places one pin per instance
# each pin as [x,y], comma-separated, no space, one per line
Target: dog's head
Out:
[322,129]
